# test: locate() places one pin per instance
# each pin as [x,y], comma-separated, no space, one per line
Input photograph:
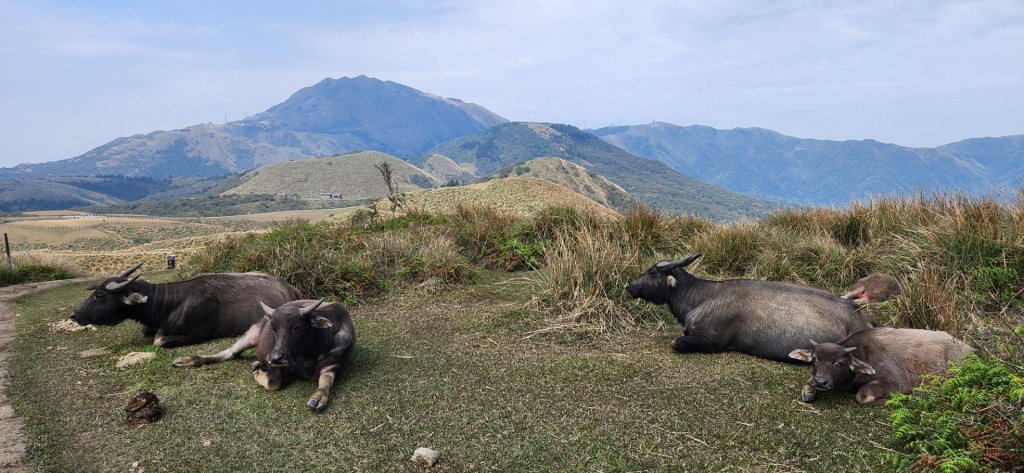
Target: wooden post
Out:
[7,248]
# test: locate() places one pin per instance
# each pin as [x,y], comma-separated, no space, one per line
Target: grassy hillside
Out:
[446,170]
[517,195]
[650,182]
[574,177]
[555,368]
[351,174]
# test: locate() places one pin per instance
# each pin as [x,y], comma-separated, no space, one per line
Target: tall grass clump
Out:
[36,267]
[730,250]
[583,279]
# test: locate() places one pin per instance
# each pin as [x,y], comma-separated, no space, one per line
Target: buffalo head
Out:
[294,326]
[110,300]
[655,283]
[833,365]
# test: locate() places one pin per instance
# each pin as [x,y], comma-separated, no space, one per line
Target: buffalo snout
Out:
[277,358]
[821,382]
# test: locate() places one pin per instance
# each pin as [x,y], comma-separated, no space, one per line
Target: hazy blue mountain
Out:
[331,117]
[648,181]
[764,163]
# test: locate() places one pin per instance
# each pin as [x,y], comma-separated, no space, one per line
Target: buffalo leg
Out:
[692,343]
[318,400]
[270,378]
[148,332]
[243,343]
[874,392]
[808,393]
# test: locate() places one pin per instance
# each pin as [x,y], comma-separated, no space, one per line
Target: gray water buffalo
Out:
[761,318]
[301,339]
[876,287]
[205,307]
[878,361]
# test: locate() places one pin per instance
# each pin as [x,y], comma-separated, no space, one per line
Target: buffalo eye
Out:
[100,295]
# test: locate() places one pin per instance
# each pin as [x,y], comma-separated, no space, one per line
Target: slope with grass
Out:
[572,176]
[650,182]
[448,370]
[517,195]
[353,175]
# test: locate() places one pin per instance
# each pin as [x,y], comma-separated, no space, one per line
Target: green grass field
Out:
[451,371]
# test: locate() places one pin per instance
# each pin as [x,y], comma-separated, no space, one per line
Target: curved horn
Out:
[130,271]
[813,343]
[848,350]
[117,286]
[310,308]
[266,308]
[666,266]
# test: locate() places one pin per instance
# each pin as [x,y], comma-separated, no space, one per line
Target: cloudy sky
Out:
[77,74]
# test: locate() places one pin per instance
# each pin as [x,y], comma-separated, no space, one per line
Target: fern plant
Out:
[968,421]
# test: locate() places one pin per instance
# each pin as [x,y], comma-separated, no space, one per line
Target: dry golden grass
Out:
[517,195]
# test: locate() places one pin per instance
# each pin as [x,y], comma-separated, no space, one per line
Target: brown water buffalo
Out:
[205,307]
[762,318]
[879,361]
[876,287]
[300,339]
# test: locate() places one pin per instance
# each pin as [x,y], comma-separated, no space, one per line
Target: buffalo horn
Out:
[266,308]
[130,271]
[666,266]
[813,343]
[848,350]
[310,308]
[117,286]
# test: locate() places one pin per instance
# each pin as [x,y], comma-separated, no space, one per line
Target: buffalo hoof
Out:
[808,397]
[316,406]
[186,362]
[678,345]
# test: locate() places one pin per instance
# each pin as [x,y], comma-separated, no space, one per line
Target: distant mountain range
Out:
[764,163]
[331,117]
[648,181]
[696,169]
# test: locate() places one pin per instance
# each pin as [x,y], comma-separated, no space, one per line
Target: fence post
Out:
[7,248]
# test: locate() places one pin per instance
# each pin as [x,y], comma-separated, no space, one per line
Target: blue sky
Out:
[75,75]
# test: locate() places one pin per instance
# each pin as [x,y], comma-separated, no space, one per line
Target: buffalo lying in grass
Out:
[205,307]
[763,318]
[301,339]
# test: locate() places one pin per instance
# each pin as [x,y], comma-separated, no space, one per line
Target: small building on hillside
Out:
[330,196]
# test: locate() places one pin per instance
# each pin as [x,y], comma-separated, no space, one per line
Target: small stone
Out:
[94,352]
[134,358]
[207,443]
[425,457]
[68,325]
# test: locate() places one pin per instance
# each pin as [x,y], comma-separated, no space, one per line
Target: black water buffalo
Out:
[879,361]
[762,318]
[876,287]
[301,339]
[181,313]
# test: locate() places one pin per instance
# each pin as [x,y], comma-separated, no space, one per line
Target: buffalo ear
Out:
[266,308]
[802,355]
[858,366]
[321,322]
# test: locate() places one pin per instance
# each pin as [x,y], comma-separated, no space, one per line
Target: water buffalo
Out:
[761,318]
[205,307]
[301,339]
[879,361]
[873,288]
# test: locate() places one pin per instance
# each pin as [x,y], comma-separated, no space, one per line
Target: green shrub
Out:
[969,420]
[32,272]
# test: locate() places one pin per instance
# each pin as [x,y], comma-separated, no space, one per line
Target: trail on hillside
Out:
[12,440]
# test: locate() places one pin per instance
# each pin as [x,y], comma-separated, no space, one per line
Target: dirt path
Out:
[12,441]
